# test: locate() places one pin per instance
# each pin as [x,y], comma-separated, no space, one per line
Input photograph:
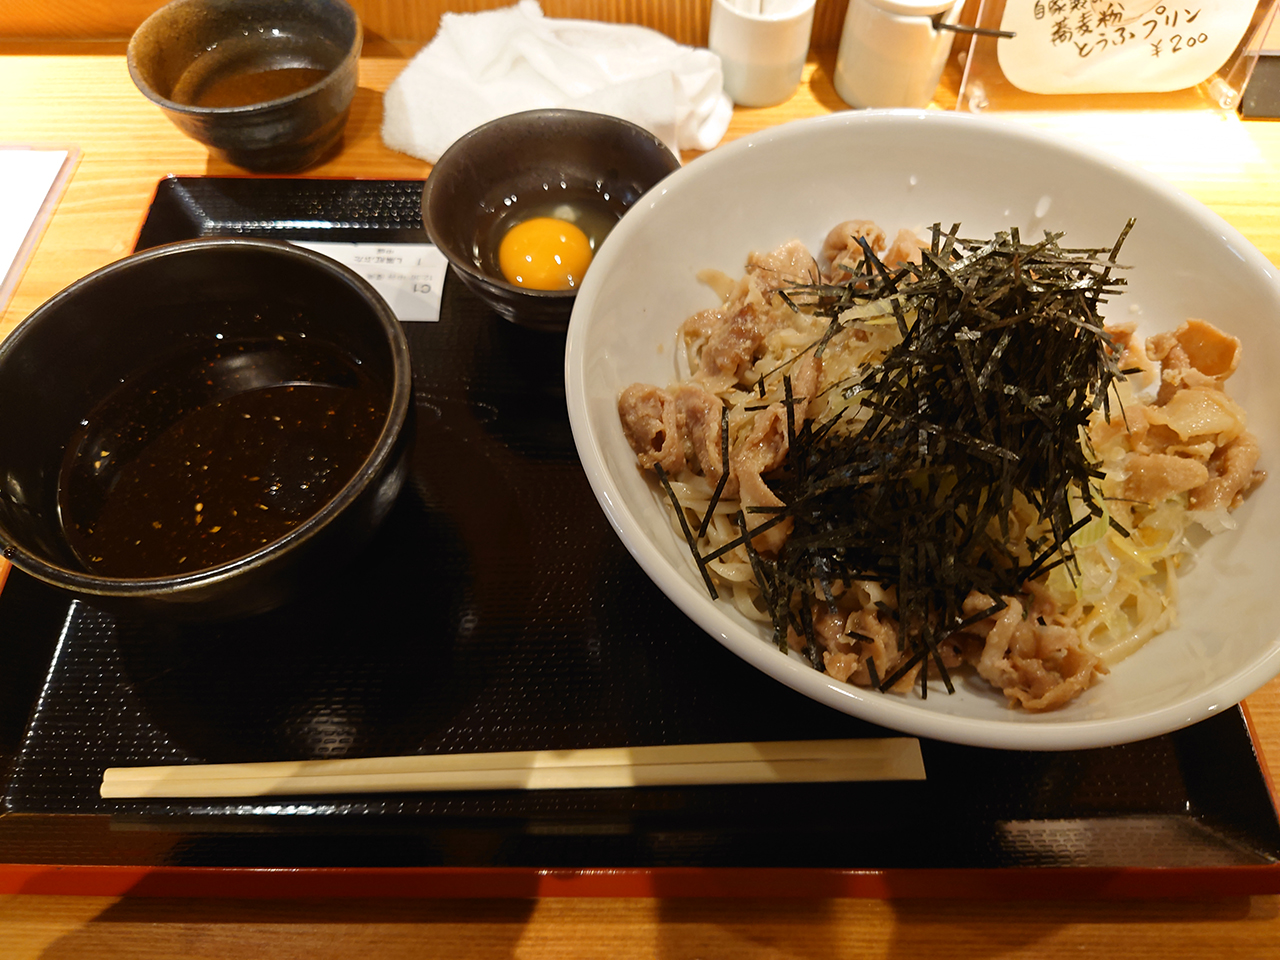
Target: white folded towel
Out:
[481,66]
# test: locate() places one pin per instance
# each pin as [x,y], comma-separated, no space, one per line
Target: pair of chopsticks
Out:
[783,761]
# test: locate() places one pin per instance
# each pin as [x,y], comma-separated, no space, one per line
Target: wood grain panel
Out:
[403,22]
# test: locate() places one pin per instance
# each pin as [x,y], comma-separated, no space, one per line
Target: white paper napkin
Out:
[481,66]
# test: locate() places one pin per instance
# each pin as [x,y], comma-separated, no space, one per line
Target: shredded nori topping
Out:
[1003,360]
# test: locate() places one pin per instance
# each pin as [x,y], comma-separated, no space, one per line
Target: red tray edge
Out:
[662,882]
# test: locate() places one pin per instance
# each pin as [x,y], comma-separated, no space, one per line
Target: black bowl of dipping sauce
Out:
[265,84]
[203,430]
[588,168]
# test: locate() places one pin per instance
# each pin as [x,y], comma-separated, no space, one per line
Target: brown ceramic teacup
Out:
[265,84]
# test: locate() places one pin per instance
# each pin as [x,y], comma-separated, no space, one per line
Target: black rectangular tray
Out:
[497,610]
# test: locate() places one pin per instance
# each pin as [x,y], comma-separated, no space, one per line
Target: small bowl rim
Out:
[455,150]
[352,56]
[89,584]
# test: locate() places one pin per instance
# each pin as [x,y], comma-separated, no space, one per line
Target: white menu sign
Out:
[409,276]
[1118,46]
[30,182]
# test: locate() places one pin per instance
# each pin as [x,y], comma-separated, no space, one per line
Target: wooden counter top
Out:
[60,92]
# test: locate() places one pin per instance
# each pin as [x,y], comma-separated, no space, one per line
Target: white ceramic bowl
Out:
[910,169]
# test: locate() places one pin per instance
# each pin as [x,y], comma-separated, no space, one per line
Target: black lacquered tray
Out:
[497,610]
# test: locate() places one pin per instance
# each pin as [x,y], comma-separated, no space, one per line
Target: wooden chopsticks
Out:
[784,761]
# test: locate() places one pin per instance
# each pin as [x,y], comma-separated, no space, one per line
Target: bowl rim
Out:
[454,153]
[898,713]
[348,63]
[175,586]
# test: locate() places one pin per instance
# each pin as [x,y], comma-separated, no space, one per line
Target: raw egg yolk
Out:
[544,253]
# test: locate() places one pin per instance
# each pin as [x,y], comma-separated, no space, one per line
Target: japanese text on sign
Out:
[1095,27]
[408,275]
[1118,46]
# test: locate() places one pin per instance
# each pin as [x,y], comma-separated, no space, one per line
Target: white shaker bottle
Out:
[891,53]
[762,45]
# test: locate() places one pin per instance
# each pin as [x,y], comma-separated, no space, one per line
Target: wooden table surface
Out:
[80,94]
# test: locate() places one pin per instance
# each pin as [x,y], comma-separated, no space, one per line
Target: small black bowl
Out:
[266,84]
[278,371]
[498,173]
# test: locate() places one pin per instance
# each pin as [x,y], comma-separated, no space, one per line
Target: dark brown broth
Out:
[239,89]
[232,471]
